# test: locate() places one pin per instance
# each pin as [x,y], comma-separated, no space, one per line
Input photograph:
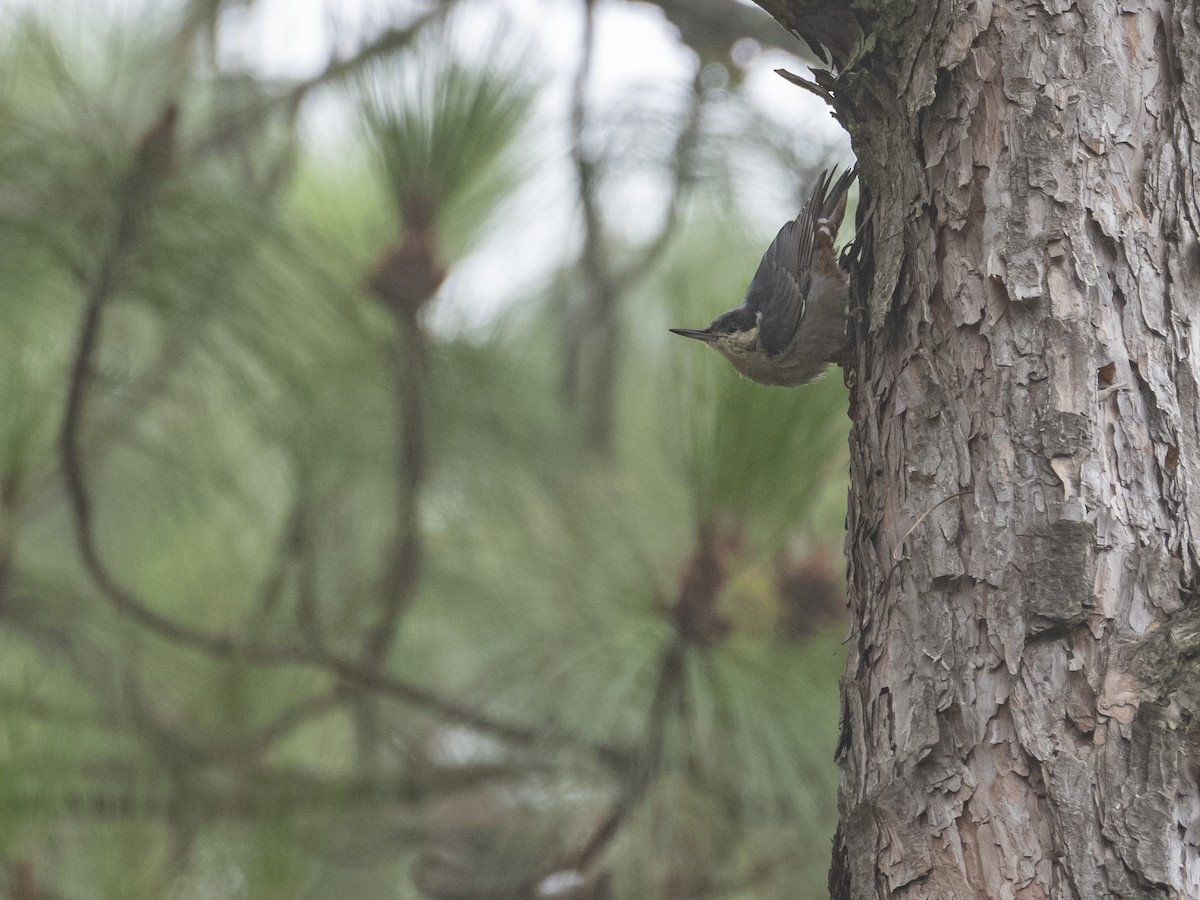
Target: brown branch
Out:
[593,250]
[611,755]
[287,553]
[133,201]
[403,568]
[682,175]
[696,623]
[10,503]
[285,723]
[607,285]
[668,692]
[181,747]
[308,615]
[405,280]
[599,319]
[353,673]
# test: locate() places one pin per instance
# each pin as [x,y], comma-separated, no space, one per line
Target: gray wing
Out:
[780,286]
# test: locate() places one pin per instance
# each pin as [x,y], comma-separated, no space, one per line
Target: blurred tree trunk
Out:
[1024,527]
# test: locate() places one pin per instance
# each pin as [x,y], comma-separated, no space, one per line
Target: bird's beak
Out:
[698,333]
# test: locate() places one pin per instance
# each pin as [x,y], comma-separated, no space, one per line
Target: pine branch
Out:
[133,203]
[613,756]
[134,198]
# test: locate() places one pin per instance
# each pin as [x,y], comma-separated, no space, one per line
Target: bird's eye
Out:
[730,328]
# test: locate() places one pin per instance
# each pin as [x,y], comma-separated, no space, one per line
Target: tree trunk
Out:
[1020,704]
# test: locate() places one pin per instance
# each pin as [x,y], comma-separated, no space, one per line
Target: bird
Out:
[792,324]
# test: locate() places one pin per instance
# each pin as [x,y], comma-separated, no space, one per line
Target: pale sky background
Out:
[635,46]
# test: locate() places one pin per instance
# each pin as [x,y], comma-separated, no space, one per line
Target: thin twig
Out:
[584,168]
[180,747]
[668,692]
[810,86]
[682,175]
[10,503]
[606,286]
[598,323]
[612,755]
[287,553]
[922,518]
[897,552]
[253,116]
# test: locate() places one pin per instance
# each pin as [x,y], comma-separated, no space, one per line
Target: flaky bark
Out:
[1024,527]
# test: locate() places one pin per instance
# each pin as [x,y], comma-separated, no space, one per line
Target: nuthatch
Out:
[792,323]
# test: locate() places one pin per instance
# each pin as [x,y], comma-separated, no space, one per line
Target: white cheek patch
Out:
[744,340]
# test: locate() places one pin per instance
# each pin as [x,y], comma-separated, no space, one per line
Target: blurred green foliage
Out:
[238,443]
[446,130]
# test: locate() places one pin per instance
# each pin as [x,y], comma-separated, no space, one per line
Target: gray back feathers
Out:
[780,289]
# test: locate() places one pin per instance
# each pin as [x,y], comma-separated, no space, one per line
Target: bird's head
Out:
[734,333]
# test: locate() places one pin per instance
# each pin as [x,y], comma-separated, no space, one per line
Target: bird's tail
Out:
[827,207]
